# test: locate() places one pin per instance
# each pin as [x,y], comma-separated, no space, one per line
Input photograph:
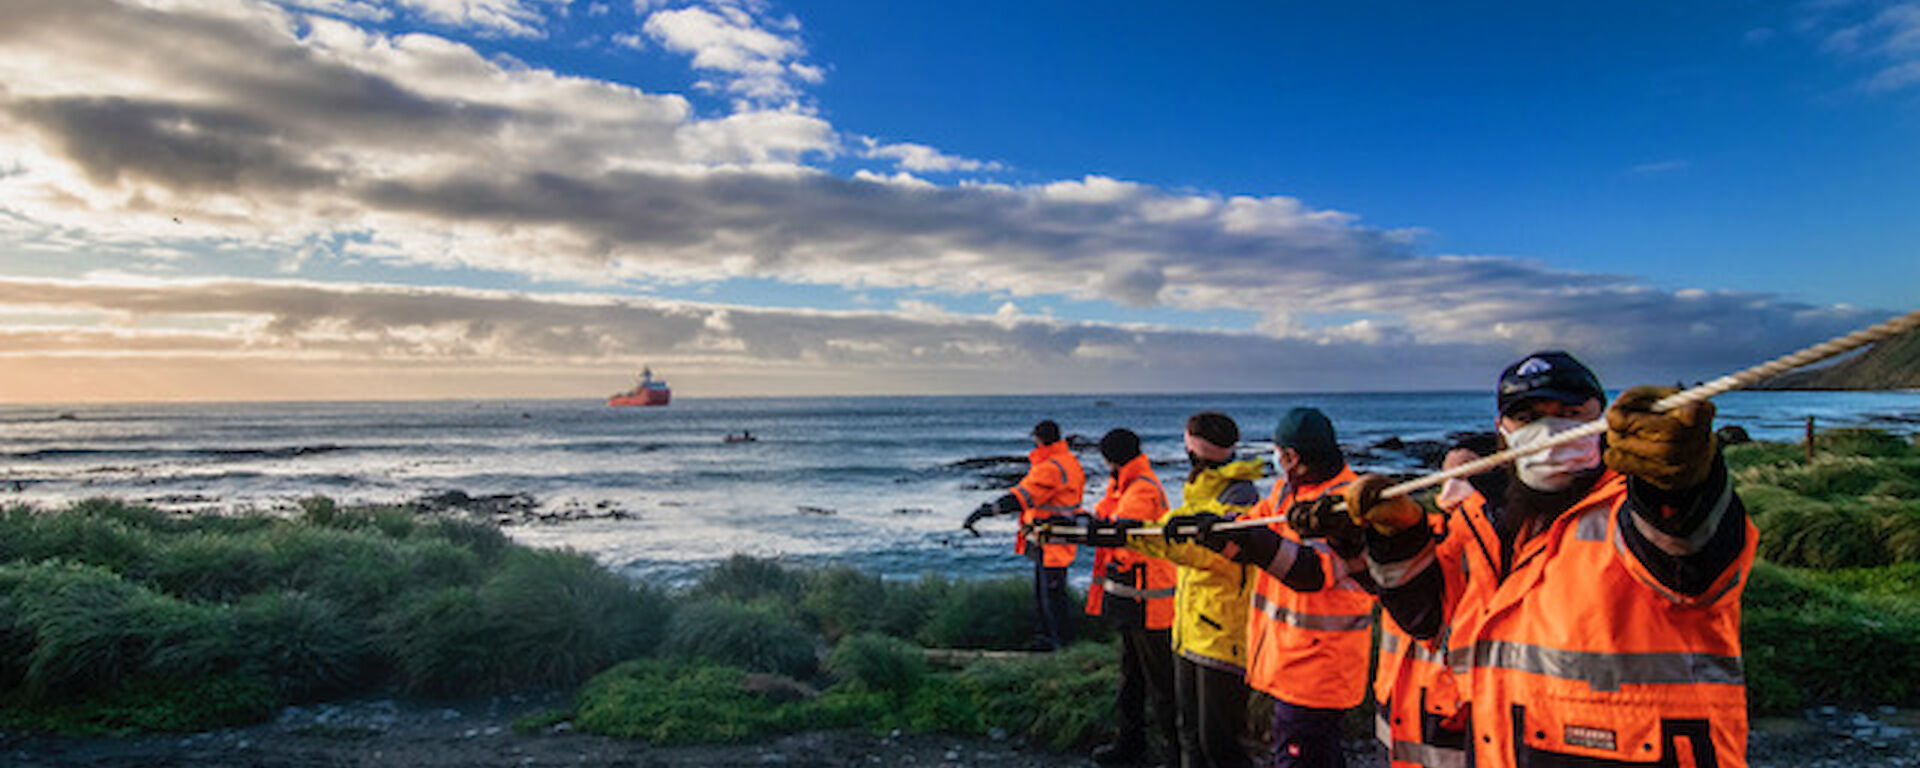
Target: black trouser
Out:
[1053,611]
[1307,737]
[1146,670]
[1213,715]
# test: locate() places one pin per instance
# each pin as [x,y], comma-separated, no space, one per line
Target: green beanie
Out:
[1310,432]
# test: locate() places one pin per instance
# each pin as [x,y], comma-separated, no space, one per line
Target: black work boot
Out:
[1120,753]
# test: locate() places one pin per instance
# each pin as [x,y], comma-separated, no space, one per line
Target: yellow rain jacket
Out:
[1211,592]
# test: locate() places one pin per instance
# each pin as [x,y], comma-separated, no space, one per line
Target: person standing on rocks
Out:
[1054,485]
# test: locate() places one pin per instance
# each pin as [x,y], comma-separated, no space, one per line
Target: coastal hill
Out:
[1890,364]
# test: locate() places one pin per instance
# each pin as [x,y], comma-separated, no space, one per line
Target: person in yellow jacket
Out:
[1053,486]
[1210,601]
[1310,624]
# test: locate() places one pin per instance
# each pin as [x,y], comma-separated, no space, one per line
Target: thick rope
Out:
[1707,391]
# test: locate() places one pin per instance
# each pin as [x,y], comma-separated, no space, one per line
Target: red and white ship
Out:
[649,391]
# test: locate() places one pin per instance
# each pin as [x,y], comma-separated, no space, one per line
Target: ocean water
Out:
[873,482]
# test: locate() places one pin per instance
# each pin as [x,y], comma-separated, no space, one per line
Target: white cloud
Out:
[1884,36]
[1660,167]
[315,137]
[756,61]
[921,158]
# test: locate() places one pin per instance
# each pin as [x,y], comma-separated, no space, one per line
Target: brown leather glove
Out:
[1386,516]
[1672,450]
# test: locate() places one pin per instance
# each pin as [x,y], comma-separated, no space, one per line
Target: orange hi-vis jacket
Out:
[1582,656]
[1134,493]
[1420,717]
[1053,486]
[1309,649]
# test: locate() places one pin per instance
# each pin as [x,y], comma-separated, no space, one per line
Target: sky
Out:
[376,199]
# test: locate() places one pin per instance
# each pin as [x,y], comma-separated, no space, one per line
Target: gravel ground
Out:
[479,733]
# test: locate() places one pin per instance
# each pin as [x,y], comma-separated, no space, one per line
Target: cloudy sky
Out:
[344,199]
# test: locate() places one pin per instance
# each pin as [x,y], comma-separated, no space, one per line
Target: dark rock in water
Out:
[1390,444]
[810,510]
[1483,443]
[982,462]
[1732,434]
[1429,452]
[912,511]
[507,505]
[1081,442]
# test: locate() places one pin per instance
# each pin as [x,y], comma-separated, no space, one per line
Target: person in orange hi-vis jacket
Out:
[1052,487]
[1420,712]
[1309,632]
[1610,631]
[1134,593]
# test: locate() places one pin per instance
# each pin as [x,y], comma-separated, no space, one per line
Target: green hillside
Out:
[1890,364]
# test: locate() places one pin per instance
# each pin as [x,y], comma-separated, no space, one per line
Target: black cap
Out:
[1310,433]
[1120,446]
[1046,432]
[1552,375]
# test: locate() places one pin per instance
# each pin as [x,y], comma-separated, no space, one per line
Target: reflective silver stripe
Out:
[1118,589]
[1391,575]
[1283,558]
[1429,755]
[1324,622]
[1592,525]
[1609,671]
[1390,642]
[1426,755]
[1026,499]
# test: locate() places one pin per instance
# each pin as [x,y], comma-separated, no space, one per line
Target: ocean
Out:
[880,483]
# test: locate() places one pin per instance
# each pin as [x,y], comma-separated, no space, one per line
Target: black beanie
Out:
[1046,432]
[1120,446]
[1214,427]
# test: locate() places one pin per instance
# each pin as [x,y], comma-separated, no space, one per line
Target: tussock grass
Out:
[102,604]
[1857,504]
[756,637]
[1809,642]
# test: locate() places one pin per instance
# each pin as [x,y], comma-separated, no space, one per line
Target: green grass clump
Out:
[1857,504]
[668,702]
[103,602]
[744,578]
[1810,643]
[757,637]
[981,614]
[879,663]
[1062,699]
[548,618]
[841,601]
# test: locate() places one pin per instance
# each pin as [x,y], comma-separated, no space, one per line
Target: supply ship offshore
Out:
[649,391]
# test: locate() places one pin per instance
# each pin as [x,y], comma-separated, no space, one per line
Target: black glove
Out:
[982,512]
[1322,518]
[1200,529]
[1108,533]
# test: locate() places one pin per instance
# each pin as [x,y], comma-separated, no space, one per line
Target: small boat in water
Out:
[648,391]
[743,437]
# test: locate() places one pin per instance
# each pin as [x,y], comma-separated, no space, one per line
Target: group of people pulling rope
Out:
[1569,597]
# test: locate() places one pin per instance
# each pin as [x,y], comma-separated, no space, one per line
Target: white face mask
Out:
[1553,469]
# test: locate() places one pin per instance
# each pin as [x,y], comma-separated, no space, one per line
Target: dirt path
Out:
[478,733]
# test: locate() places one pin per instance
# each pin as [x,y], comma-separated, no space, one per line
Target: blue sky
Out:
[349,198]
